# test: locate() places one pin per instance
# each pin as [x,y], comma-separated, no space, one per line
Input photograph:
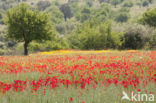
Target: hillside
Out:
[67,15]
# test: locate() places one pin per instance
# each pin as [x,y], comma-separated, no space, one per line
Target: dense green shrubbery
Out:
[137,37]
[91,35]
[122,15]
[56,44]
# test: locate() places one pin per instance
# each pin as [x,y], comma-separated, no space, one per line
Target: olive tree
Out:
[25,24]
[66,10]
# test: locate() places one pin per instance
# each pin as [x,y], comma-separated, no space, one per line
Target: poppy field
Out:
[77,76]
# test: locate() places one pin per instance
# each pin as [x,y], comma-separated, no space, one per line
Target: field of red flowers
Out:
[95,77]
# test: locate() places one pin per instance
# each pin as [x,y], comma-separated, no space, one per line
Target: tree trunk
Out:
[26,48]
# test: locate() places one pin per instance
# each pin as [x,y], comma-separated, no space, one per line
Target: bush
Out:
[42,5]
[128,4]
[2,52]
[58,43]
[150,1]
[149,18]
[56,3]
[1,44]
[1,22]
[122,17]
[65,28]
[89,3]
[145,3]
[94,36]
[136,37]
[153,42]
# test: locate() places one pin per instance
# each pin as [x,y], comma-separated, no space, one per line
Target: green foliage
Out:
[2,52]
[85,14]
[6,6]
[58,43]
[149,18]
[89,3]
[65,28]
[1,44]
[1,21]
[56,3]
[136,37]
[94,36]
[42,5]
[122,17]
[115,2]
[153,42]
[124,9]
[150,1]
[26,25]
[102,13]
[56,15]
[78,12]
[128,4]
[145,3]
[100,1]
[66,10]
[106,7]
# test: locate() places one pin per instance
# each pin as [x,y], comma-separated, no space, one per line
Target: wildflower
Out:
[70,99]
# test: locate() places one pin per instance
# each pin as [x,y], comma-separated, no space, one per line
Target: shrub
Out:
[149,18]
[150,1]
[2,52]
[153,42]
[96,36]
[128,4]
[58,43]
[90,3]
[145,3]
[136,37]
[122,17]
[42,5]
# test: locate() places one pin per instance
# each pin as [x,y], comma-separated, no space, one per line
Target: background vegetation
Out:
[88,24]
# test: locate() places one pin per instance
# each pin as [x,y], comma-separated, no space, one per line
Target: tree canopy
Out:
[26,24]
[149,18]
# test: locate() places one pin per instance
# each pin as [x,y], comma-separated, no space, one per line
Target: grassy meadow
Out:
[69,76]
